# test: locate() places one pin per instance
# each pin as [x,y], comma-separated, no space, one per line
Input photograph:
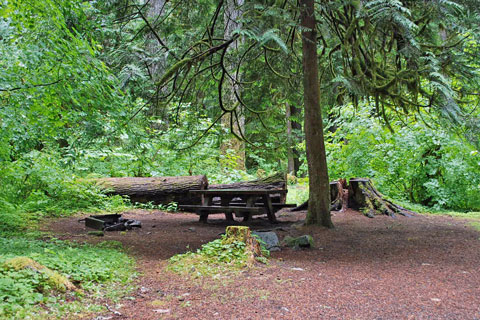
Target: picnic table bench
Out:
[241,202]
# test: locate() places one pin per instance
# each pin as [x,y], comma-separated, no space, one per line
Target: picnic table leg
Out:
[206,201]
[267,201]
[225,201]
[250,202]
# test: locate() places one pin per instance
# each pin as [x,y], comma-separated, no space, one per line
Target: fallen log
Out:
[273,182]
[159,190]
[336,197]
[363,196]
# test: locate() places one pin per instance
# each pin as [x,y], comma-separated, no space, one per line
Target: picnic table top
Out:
[237,191]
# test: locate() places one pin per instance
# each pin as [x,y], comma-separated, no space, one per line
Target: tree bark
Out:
[292,127]
[337,196]
[159,190]
[243,234]
[363,196]
[231,18]
[156,61]
[274,182]
[319,200]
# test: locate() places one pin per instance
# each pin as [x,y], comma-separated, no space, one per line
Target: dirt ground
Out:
[426,267]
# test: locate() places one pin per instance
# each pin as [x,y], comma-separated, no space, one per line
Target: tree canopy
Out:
[141,88]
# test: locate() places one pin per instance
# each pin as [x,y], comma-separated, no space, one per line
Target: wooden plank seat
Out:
[276,206]
[223,209]
[245,212]
[250,197]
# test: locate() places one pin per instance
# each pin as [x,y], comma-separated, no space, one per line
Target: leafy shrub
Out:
[429,166]
[216,256]
[38,184]
[86,265]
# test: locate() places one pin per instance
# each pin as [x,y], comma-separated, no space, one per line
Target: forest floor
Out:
[424,267]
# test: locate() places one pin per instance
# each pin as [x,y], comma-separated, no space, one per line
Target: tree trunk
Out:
[319,200]
[232,144]
[274,182]
[243,234]
[156,62]
[337,197]
[363,196]
[159,190]
[292,127]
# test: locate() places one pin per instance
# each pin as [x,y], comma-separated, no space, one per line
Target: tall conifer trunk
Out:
[319,201]
[293,127]
[231,18]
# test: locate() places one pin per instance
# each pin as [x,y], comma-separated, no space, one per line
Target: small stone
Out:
[426,264]
[192,229]
[284,309]
[161,310]
[298,269]
[435,299]
[144,290]
[149,233]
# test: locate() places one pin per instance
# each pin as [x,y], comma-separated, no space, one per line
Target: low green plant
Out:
[170,207]
[297,193]
[23,287]
[215,257]
[425,165]
[475,225]
[37,186]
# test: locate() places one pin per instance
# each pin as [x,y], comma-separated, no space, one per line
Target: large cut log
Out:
[273,182]
[337,202]
[159,190]
[363,196]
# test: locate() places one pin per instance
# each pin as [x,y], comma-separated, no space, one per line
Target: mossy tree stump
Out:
[243,234]
[363,196]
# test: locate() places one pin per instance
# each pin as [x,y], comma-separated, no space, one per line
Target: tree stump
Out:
[159,190]
[363,196]
[336,198]
[243,234]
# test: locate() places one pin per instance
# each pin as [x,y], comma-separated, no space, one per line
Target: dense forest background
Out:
[106,88]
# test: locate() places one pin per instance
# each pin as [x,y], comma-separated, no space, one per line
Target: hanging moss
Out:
[170,72]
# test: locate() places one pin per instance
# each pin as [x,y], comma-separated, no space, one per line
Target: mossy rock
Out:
[53,279]
[305,241]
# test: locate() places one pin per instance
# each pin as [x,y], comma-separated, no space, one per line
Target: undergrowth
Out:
[215,257]
[101,270]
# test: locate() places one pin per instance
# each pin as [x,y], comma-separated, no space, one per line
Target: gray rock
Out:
[305,241]
[269,238]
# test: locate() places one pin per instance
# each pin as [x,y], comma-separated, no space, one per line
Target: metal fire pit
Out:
[111,222]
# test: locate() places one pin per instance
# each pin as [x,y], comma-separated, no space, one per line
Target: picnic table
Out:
[241,202]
